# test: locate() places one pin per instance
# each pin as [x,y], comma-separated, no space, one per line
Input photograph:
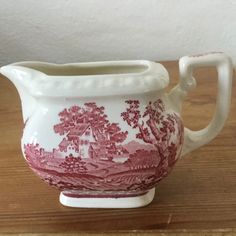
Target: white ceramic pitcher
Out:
[105,133]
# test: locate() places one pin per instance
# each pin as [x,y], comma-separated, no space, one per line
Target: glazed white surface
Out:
[123,202]
[37,83]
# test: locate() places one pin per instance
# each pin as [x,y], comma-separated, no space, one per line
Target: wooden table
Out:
[198,196]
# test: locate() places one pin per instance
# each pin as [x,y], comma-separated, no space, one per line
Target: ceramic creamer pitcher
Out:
[106,133]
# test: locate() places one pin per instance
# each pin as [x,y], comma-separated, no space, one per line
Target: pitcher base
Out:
[107,201]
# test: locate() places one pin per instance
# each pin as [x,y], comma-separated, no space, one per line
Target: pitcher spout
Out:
[21,77]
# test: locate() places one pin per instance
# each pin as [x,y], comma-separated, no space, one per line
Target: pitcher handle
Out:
[223,64]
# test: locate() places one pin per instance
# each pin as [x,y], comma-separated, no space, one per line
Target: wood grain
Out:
[198,196]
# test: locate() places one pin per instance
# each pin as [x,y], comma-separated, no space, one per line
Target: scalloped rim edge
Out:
[39,84]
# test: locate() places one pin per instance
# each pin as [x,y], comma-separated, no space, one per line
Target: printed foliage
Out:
[75,120]
[154,126]
[94,154]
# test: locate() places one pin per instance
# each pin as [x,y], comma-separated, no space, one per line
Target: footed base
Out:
[108,202]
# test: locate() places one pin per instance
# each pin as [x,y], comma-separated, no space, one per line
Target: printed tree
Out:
[154,126]
[90,116]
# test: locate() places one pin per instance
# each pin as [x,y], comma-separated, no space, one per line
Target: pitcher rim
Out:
[153,77]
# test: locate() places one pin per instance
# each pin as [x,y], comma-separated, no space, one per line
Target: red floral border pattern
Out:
[94,156]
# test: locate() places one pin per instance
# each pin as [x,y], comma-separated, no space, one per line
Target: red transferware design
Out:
[94,157]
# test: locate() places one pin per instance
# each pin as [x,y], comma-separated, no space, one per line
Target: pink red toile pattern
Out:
[95,156]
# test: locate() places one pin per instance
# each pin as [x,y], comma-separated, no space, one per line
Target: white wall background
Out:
[91,30]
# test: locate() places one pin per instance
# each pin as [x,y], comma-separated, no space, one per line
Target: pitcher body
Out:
[103,133]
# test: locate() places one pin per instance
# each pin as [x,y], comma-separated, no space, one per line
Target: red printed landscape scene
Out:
[95,156]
